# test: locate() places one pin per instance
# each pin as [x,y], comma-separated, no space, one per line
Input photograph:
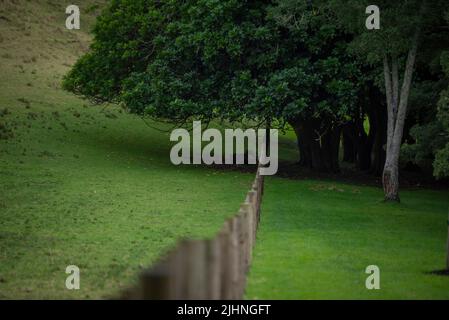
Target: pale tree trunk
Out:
[397,102]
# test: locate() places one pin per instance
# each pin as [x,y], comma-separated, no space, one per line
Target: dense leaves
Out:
[430,134]
[177,59]
[207,59]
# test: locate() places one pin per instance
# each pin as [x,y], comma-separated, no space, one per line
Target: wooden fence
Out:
[207,269]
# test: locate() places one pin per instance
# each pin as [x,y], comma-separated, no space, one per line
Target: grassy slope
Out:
[317,238]
[81,185]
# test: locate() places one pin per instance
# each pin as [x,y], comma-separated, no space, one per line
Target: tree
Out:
[324,86]
[404,25]
[364,136]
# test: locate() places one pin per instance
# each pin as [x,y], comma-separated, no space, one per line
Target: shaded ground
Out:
[408,179]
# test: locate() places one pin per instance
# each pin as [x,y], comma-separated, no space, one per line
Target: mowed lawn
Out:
[84,185]
[317,238]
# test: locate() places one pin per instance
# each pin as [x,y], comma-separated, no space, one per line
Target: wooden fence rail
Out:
[207,269]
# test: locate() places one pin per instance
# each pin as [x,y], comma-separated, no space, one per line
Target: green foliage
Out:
[399,21]
[172,60]
[431,143]
[428,140]
[441,163]
[216,59]
[325,80]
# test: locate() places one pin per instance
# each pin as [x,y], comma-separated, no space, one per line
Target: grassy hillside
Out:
[85,185]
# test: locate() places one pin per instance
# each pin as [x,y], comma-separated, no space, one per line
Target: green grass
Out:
[317,238]
[84,185]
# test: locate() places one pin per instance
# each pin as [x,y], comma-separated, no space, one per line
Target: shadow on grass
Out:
[444,273]
[350,175]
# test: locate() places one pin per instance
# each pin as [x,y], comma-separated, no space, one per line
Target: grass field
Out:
[317,238]
[94,187]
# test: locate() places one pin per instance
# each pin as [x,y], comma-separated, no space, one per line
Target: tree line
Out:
[308,64]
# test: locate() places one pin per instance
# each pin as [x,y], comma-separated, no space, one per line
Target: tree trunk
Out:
[397,111]
[305,157]
[319,153]
[378,122]
[390,181]
[335,148]
[330,149]
[364,146]
[349,150]
[357,144]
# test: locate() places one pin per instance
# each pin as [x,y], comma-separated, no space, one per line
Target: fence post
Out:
[131,293]
[214,263]
[255,201]
[251,233]
[246,212]
[243,252]
[227,268]
[155,283]
[195,251]
[235,257]
[178,272]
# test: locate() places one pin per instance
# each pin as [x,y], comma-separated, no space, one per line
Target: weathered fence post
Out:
[246,212]
[228,262]
[235,257]
[243,250]
[178,272]
[155,283]
[250,238]
[195,251]
[254,201]
[214,263]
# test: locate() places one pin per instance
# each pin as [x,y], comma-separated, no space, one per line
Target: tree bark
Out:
[377,114]
[397,111]
[364,145]
[378,120]
[319,153]
[349,150]
[357,143]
